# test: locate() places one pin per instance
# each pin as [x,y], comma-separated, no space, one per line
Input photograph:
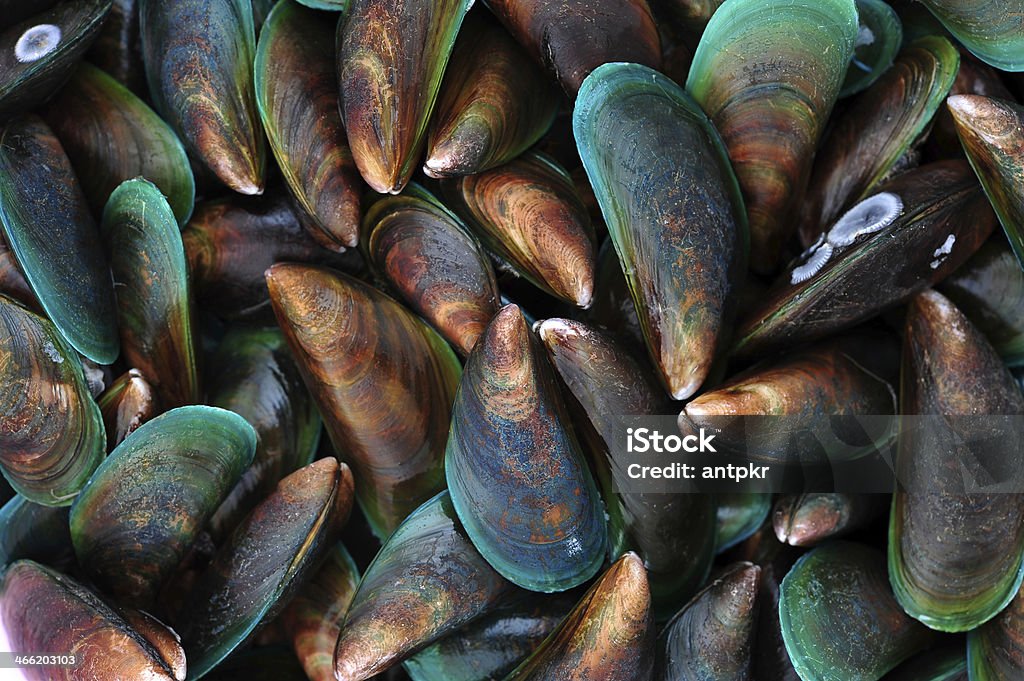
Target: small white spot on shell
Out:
[37,42]
[813,265]
[52,353]
[943,251]
[871,215]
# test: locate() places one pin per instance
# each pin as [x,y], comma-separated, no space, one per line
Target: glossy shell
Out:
[51,431]
[995,651]
[391,57]
[660,226]
[840,621]
[495,103]
[36,532]
[148,501]
[435,264]
[950,369]
[384,382]
[199,65]
[127,404]
[269,555]
[77,294]
[768,72]
[111,136]
[529,214]
[809,519]
[608,635]
[297,96]
[427,576]
[990,30]
[516,474]
[155,314]
[573,42]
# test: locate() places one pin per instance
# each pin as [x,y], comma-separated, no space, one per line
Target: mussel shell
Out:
[199,65]
[870,136]
[937,533]
[32,70]
[809,519]
[992,133]
[127,404]
[435,264]
[384,382]
[944,219]
[688,17]
[327,5]
[297,97]
[608,635]
[613,309]
[46,221]
[516,474]
[493,645]
[879,35]
[528,213]
[946,664]
[45,611]
[314,617]
[494,104]
[147,502]
[111,136]
[768,73]
[391,57]
[35,532]
[51,431]
[989,289]
[846,375]
[712,637]
[995,651]
[992,31]
[573,42]
[154,300]
[269,555]
[426,582]
[14,11]
[674,534]
[256,377]
[230,243]
[840,620]
[12,281]
[675,217]
[118,48]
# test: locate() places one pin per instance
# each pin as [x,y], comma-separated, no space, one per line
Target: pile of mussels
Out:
[461,241]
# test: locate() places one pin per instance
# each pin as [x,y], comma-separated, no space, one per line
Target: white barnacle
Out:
[819,258]
[871,215]
[37,42]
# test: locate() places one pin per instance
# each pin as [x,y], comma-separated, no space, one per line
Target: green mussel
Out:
[126,404]
[768,73]
[199,65]
[148,501]
[118,47]
[995,651]
[712,637]
[495,103]
[879,35]
[297,97]
[517,476]
[992,133]
[51,431]
[434,263]
[677,207]
[608,635]
[392,55]
[35,532]
[44,610]
[77,294]
[384,382]
[910,233]
[111,136]
[38,54]
[573,40]
[840,621]
[427,581]
[938,528]
[809,519]
[154,300]
[268,557]
[990,30]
